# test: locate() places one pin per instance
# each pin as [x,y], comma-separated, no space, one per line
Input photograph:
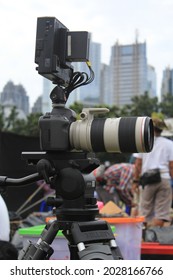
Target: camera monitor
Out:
[57,47]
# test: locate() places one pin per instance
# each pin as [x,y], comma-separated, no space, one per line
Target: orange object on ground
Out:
[124,220]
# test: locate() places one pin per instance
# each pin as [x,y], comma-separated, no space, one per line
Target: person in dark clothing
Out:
[8,251]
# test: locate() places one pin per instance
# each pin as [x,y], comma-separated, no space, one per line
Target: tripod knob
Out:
[55,202]
[45,169]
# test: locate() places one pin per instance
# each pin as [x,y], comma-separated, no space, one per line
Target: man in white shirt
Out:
[4,221]
[156,198]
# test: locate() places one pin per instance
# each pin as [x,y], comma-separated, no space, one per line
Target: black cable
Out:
[80,79]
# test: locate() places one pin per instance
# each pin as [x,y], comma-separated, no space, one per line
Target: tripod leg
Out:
[93,241]
[41,250]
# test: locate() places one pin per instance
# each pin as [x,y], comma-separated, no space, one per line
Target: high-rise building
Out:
[105,97]
[46,101]
[151,81]
[15,96]
[167,82]
[128,72]
[74,96]
[37,107]
[90,94]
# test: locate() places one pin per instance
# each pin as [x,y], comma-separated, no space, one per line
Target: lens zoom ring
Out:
[127,135]
[97,139]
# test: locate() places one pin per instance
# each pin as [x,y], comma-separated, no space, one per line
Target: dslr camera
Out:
[56,49]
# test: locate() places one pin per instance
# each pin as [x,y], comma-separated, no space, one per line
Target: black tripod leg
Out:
[93,240]
[41,250]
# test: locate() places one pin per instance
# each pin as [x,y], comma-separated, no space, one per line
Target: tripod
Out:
[75,208]
[74,205]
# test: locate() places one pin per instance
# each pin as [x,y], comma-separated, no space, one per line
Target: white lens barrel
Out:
[129,134]
[111,137]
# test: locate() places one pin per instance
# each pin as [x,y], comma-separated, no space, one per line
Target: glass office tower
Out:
[128,72]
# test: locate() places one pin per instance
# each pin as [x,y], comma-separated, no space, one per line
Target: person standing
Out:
[156,197]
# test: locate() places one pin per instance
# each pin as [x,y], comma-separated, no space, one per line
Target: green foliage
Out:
[32,124]
[77,107]
[12,123]
[7,123]
[1,118]
[144,105]
[28,127]
[166,105]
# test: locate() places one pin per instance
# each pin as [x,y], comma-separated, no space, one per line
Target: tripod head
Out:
[74,199]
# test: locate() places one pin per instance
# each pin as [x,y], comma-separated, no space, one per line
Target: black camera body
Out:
[54,129]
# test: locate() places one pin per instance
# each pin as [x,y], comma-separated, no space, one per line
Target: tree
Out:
[126,111]
[1,118]
[12,123]
[144,105]
[28,127]
[76,107]
[7,123]
[32,127]
[11,119]
[166,105]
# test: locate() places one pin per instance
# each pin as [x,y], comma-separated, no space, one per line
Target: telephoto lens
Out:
[123,135]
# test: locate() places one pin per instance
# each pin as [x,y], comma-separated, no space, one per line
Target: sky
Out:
[107,20]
